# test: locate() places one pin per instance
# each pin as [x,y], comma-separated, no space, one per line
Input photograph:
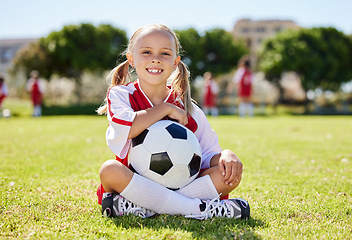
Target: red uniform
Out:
[36,94]
[245,84]
[210,94]
[124,101]
[3,92]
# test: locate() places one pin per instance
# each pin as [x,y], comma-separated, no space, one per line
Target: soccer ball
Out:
[6,113]
[167,153]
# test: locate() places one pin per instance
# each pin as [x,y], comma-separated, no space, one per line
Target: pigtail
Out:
[118,76]
[181,86]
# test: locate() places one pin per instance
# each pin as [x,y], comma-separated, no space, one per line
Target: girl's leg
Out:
[250,109]
[202,188]
[216,178]
[214,111]
[115,176]
[146,193]
[242,109]
[39,110]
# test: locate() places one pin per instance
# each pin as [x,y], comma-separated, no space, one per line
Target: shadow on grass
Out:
[215,228]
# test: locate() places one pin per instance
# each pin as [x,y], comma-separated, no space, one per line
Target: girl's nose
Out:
[155,60]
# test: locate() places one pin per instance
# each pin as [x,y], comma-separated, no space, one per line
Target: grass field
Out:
[297,178]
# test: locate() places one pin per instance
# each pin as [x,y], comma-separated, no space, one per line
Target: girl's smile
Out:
[154,70]
[154,57]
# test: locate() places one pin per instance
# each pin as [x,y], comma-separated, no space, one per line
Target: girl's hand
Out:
[145,118]
[177,114]
[230,166]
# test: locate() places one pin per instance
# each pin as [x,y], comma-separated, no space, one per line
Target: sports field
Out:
[297,178]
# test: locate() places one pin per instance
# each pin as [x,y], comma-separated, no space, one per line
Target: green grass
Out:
[297,179]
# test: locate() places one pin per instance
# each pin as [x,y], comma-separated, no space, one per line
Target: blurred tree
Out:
[73,50]
[32,56]
[220,52]
[321,56]
[216,51]
[191,51]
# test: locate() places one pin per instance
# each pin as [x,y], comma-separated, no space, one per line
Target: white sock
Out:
[153,196]
[242,109]
[37,111]
[250,109]
[202,188]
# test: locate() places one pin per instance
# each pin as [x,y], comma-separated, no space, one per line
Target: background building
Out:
[254,32]
[8,50]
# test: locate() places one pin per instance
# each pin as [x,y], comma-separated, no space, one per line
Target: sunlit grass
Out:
[297,179]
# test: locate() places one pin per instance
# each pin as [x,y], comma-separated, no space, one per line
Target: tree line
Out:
[321,56]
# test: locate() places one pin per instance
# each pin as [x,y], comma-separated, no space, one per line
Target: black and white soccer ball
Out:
[167,153]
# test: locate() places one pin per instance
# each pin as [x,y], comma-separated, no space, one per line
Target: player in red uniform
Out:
[210,93]
[243,78]
[153,52]
[36,88]
[3,91]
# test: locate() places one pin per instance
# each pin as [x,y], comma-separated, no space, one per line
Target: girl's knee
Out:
[234,184]
[114,175]
[110,168]
[107,165]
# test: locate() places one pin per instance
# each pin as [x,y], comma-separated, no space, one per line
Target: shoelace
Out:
[209,210]
[137,211]
[218,208]
[130,209]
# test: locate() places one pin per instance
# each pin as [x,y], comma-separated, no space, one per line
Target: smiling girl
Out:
[162,92]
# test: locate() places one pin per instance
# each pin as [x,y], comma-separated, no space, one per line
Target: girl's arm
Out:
[145,118]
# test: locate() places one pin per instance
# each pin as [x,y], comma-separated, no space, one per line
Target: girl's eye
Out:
[167,54]
[146,52]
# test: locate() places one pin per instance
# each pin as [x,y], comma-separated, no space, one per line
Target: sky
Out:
[37,18]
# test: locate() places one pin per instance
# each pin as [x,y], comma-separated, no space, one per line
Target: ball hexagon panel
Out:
[138,158]
[176,178]
[194,143]
[157,140]
[179,151]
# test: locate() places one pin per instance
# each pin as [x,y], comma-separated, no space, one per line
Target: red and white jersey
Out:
[244,79]
[210,91]
[36,87]
[3,89]
[123,103]
[3,92]
[32,81]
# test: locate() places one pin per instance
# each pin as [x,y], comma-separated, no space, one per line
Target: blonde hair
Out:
[120,75]
[34,73]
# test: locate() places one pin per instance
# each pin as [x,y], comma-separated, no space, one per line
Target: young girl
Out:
[131,107]
[243,78]
[210,94]
[36,87]
[3,92]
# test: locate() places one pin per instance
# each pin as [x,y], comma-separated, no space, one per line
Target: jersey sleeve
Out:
[206,136]
[42,87]
[120,116]
[238,75]
[214,87]
[4,90]
[29,85]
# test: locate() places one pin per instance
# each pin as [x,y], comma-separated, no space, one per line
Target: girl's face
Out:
[154,56]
